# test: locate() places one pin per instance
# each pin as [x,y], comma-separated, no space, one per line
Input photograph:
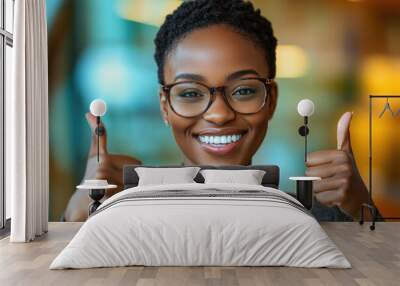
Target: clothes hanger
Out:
[387,107]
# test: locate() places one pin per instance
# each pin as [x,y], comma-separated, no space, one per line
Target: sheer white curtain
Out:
[27,124]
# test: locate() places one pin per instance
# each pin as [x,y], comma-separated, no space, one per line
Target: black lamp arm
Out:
[303,131]
[99,132]
[305,138]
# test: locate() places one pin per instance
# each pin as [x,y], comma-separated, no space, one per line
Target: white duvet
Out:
[224,225]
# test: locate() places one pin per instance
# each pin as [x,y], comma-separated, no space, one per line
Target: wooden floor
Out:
[374,255]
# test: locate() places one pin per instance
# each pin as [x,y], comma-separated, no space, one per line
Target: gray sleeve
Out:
[325,213]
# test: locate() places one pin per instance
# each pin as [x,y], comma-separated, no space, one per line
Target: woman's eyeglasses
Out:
[191,99]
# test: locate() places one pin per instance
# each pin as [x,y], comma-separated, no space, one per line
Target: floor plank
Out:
[374,255]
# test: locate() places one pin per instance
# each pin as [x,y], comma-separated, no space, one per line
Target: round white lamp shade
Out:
[98,107]
[305,107]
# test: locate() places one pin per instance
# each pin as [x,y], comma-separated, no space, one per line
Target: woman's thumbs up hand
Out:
[341,183]
[110,166]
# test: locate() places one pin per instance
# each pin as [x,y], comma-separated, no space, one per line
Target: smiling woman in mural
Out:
[216,68]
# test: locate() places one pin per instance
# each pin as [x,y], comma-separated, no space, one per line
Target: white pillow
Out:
[248,177]
[163,176]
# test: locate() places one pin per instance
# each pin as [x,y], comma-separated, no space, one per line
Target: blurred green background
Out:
[335,52]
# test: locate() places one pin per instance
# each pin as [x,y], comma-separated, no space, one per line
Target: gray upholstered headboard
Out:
[270,179]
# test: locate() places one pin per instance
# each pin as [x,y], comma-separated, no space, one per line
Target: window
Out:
[6,44]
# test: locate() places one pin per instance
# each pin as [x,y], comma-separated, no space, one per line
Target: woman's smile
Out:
[219,141]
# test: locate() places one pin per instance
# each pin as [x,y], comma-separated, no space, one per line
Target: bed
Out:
[199,224]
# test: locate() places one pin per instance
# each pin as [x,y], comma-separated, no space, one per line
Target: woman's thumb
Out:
[102,140]
[343,132]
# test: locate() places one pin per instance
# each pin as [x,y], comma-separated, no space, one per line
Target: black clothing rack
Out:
[370,205]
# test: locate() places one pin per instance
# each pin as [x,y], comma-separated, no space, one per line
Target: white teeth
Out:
[223,139]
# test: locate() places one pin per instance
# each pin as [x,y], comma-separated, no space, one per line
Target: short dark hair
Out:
[195,14]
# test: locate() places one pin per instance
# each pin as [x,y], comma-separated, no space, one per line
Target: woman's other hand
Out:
[341,183]
[109,168]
